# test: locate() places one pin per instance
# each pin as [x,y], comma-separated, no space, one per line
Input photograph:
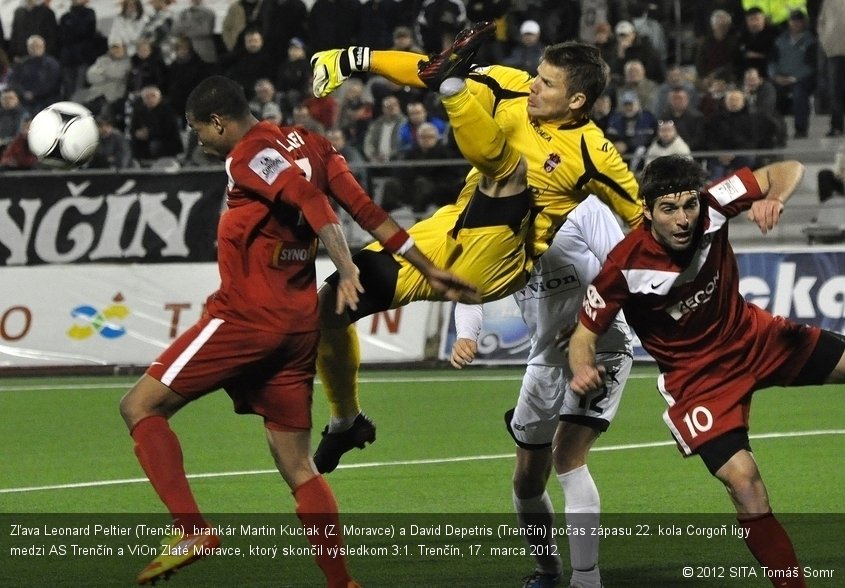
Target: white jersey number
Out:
[699,420]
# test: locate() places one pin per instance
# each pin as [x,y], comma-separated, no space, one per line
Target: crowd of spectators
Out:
[687,77]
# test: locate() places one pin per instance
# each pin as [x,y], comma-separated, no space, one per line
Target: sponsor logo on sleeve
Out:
[728,190]
[268,164]
[593,302]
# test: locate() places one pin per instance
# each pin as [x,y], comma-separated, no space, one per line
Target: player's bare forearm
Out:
[586,375]
[349,286]
[777,181]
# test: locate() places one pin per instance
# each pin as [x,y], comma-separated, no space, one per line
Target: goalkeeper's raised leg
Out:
[483,144]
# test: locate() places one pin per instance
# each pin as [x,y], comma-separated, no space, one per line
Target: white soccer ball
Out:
[63,135]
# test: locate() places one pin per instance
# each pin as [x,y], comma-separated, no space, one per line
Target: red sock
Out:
[160,454]
[316,507]
[770,545]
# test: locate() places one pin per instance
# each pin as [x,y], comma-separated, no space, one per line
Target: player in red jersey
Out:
[326,168]
[676,278]
[258,336]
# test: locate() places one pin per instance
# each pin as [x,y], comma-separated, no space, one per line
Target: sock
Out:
[582,508]
[538,512]
[316,507]
[400,67]
[160,455]
[338,359]
[769,543]
[479,138]
[451,86]
[340,424]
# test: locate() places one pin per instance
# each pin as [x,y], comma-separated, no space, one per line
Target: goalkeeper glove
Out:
[334,66]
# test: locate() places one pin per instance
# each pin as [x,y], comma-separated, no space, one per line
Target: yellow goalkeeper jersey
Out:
[565,163]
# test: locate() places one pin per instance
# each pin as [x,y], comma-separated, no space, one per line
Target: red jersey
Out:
[327,169]
[686,307]
[266,239]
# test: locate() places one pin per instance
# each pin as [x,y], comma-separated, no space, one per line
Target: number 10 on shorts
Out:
[698,420]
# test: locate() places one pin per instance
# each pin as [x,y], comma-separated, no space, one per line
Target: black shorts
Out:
[379,272]
[822,360]
[716,452]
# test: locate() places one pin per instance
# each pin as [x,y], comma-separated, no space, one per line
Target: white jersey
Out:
[550,303]
[551,300]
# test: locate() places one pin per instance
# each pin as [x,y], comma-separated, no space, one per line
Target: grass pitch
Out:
[442,464]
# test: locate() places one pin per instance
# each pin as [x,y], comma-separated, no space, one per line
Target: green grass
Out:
[442,457]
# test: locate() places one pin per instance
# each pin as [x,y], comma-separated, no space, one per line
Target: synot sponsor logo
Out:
[287,253]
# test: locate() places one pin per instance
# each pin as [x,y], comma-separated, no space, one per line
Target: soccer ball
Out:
[63,135]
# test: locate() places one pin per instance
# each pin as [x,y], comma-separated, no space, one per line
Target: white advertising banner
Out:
[804,285]
[126,314]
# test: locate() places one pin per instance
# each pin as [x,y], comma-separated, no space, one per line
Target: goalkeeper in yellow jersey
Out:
[535,156]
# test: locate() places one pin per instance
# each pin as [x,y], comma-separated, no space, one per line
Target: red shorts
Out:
[265,373]
[706,403]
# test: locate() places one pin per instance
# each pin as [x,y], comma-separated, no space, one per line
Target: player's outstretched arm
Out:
[445,283]
[777,181]
[318,213]
[349,286]
[586,375]
[334,66]
[346,190]
[396,240]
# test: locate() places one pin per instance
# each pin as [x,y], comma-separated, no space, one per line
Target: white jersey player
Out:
[547,409]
